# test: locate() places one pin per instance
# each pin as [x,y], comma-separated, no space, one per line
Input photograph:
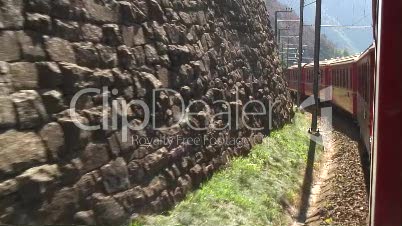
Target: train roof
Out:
[338,60]
[344,60]
[367,51]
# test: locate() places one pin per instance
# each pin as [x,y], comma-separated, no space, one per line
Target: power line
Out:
[310,3]
[307,4]
[342,26]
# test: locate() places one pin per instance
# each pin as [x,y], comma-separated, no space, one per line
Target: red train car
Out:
[369,87]
[364,71]
[349,79]
[386,167]
[342,76]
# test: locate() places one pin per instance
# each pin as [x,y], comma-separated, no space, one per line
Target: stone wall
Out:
[52,172]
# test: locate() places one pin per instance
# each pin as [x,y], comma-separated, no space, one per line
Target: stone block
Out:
[39,22]
[68,30]
[8,187]
[60,50]
[102,12]
[108,211]
[179,54]
[136,172]
[74,77]
[24,75]
[115,176]
[7,113]
[20,151]
[87,185]
[107,56]
[9,46]
[156,161]
[91,33]
[50,76]
[84,218]
[94,156]
[36,182]
[151,54]
[139,55]
[11,14]
[132,200]
[40,6]
[30,110]
[86,54]
[151,80]
[155,11]
[112,35]
[128,15]
[31,45]
[61,207]
[53,136]
[75,138]
[158,184]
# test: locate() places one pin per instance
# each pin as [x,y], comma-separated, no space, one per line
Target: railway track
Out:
[339,193]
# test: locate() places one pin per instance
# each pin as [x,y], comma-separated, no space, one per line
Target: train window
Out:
[311,76]
[343,78]
[333,77]
[307,76]
[367,81]
[336,78]
[360,80]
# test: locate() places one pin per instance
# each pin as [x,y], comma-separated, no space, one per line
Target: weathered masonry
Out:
[52,172]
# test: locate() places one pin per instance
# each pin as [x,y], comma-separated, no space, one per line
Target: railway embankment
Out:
[262,188]
[341,184]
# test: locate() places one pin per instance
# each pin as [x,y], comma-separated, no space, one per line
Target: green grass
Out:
[249,191]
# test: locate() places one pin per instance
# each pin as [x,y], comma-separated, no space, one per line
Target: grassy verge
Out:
[249,191]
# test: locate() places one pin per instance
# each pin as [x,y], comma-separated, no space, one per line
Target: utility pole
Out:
[287,55]
[280,32]
[314,124]
[279,35]
[282,60]
[287,10]
[300,60]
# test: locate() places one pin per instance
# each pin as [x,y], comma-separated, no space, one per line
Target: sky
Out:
[341,12]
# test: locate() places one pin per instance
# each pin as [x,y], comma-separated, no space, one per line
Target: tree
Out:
[346,53]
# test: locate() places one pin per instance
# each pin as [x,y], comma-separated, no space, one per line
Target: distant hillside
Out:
[343,12]
[328,49]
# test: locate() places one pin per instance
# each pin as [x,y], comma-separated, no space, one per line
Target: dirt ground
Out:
[339,190]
